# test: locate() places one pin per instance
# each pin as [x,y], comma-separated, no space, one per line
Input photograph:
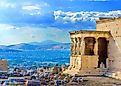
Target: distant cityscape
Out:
[21,64]
[45,45]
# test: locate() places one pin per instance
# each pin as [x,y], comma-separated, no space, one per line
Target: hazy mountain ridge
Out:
[45,45]
[47,42]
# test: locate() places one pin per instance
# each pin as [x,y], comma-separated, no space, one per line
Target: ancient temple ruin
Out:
[97,52]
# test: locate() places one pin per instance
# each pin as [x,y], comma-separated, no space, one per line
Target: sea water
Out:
[38,58]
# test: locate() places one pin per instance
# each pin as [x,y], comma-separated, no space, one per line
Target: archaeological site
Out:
[97,52]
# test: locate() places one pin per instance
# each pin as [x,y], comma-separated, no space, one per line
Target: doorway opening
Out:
[89,45]
[102,52]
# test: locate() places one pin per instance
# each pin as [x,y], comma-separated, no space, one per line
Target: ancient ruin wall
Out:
[114,47]
[3,65]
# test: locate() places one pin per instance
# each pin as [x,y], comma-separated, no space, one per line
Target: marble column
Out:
[75,53]
[82,46]
[79,63]
[107,60]
[78,42]
[72,47]
[78,46]
[71,62]
[72,53]
[96,46]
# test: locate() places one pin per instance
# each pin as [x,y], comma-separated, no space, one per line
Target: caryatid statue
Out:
[78,46]
[73,46]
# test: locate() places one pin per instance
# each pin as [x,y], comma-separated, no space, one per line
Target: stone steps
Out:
[97,71]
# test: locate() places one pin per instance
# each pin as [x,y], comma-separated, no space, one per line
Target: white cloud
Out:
[83,16]
[31,7]
[34,9]
[5,4]
[7,27]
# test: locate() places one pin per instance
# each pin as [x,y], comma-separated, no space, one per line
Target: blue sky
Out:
[23,21]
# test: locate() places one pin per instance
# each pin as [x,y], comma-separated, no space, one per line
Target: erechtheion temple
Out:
[97,52]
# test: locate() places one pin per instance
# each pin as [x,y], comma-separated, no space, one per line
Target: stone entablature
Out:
[96,34]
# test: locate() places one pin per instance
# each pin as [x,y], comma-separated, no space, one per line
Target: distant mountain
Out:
[22,46]
[47,42]
[3,47]
[45,45]
[60,46]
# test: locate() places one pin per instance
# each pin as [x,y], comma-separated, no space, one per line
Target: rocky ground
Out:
[97,81]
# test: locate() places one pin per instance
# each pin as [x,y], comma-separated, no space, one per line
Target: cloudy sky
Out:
[23,21]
